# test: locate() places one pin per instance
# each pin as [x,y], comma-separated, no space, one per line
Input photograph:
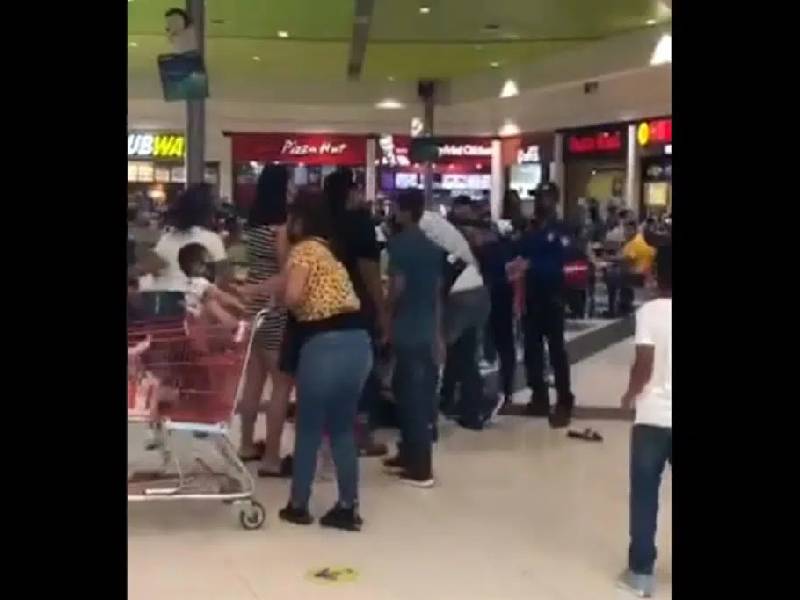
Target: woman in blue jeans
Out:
[331,356]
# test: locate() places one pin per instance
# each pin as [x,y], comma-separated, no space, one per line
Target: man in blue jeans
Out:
[415,265]
[650,390]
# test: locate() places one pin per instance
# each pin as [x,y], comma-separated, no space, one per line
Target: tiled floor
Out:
[600,380]
[519,512]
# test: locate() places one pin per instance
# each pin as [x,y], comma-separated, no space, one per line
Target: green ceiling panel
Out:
[450,41]
[411,62]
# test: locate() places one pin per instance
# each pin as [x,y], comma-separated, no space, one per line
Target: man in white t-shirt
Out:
[650,391]
[465,312]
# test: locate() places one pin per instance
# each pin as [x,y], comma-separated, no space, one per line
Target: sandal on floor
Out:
[260,447]
[283,472]
[588,435]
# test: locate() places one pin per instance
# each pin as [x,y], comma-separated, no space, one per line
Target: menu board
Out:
[454,181]
[525,178]
[404,181]
[178,174]
[162,174]
[145,172]
[479,182]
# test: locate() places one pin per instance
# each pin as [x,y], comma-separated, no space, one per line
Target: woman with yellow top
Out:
[333,357]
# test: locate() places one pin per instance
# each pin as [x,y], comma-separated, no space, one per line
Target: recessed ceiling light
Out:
[133,45]
[390,78]
[389,104]
[662,54]
[651,21]
[508,128]
[510,89]
[424,10]
[257,58]
[494,64]
[283,34]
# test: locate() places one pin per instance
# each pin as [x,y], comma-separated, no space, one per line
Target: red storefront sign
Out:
[657,131]
[595,142]
[527,148]
[309,149]
[452,150]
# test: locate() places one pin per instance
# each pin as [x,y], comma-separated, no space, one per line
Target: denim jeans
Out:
[651,448]
[414,383]
[464,316]
[370,395]
[330,376]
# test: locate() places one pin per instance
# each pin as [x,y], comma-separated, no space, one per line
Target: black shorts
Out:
[290,347]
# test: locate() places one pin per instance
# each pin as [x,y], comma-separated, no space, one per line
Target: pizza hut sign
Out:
[311,149]
[295,148]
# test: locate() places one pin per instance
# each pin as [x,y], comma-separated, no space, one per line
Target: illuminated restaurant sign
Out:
[657,131]
[464,150]
[310,149]
[447,149]
[528,155]
[156,145]
[596,142]
[295,148]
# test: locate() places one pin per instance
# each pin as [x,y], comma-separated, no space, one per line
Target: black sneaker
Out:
[470,424]
[561,417]
[339,517]
[394,464]
[298,516]
[415,480]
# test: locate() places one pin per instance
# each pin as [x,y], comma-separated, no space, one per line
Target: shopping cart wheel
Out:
[253,516]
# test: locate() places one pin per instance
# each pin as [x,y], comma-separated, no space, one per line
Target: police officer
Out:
[541,251]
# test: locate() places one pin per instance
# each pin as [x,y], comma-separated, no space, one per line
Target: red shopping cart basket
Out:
[183,371]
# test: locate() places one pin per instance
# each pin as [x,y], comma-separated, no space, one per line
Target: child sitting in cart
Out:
[204,300]
[211,325]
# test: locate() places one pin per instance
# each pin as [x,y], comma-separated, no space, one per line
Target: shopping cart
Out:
[183,377]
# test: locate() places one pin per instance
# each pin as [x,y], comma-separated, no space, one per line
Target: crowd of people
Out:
[326,317]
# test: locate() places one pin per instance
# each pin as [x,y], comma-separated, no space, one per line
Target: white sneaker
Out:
[639,585]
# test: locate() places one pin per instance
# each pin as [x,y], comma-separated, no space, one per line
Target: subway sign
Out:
[156,145]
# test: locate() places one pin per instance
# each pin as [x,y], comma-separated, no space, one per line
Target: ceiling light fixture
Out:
[509,128]
[389,104]
[257,58]
[651,22]
[283,34]
[133,45]
[510,89]
[494,64]
[424,10]
[390,78]
[662,54]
